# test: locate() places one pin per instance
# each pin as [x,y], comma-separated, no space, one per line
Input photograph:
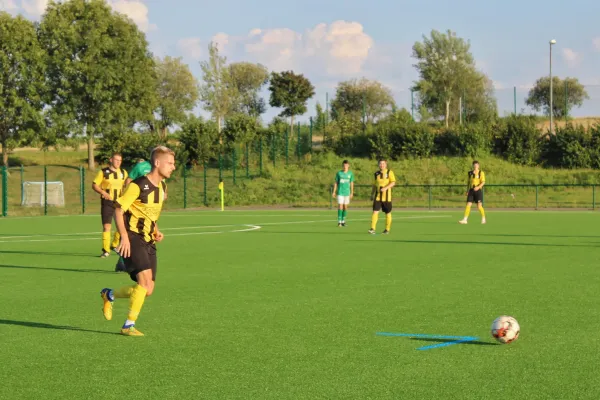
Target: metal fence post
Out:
[184,186]
[233,162]
[220,168]
[22,191]
[536,196]
[331,197]
[205,193]
[4,192]
[430,196]
[593,197]
[273,148]
[261,156]
[298,143]
[247,160]
[310,139]
[45,190]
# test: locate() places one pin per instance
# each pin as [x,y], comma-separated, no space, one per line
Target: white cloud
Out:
[498,85]
[596,43]
[8,5]
[34,7]
[572,58]
[134,9]
[337,49]
[190,47]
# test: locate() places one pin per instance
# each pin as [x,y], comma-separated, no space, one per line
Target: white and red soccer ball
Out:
[505,329]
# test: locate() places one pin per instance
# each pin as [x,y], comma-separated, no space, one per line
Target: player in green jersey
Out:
[344,187]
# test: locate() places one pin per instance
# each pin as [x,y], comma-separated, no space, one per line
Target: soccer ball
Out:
[505,329]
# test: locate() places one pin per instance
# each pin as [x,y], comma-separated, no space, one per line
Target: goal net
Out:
[33,194]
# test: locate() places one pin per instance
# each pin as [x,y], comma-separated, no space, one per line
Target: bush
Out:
[520,141]
[474,140]
[568,148]
[132,145]
[198,141]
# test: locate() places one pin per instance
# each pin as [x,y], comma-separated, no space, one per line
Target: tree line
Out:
[85,72]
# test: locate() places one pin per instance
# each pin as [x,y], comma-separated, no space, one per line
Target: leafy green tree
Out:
[357,97]
[177,94]
[539,96]
[198,140]
[446,69]
[100,71]
[218,93]
[320,119]
[22,67]
[240,129]
[290,91]
[247,80]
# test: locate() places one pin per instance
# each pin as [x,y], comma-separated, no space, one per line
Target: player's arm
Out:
[122,204]
[482,180]
[391,184]
[96,185]
[468,183]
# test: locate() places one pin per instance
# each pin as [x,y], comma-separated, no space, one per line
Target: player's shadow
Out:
[480,243]
[51,326]
[474,342]
[102,271]
[520,235]
[47,253]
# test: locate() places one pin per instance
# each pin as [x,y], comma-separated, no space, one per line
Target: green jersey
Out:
[343,180]
[140,169]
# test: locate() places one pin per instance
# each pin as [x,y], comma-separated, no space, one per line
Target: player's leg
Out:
[340,200]
[345,209]
[375,216]
[387,208]
[107,212]
[480,206]
[116,238]
[470,198]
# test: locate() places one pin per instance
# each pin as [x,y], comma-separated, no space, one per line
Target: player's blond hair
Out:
[160,151]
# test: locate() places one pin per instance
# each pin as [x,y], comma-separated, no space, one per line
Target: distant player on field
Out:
[385,180]
[475,181]
[109,183]
[137,214]
[344,187]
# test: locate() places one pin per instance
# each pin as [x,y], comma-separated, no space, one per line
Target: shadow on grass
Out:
[47,253]
[478,243]
[474,342]
[50,326]
[102,271]
[520,235]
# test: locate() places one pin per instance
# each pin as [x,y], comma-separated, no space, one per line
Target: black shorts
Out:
[386,206]
[142,257]
[107,210]
[475,196]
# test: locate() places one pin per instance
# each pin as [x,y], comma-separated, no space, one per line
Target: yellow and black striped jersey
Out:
[111,181]
[475,179]
[142,203]
[384,178]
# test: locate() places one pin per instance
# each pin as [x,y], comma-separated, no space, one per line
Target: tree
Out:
[198,140]
[240,129]
[320,118]
[357,97]
[290,92]
[177,93]
[100,71]
[539,96]
[21,82]
[247,80]
[446,68]
[218,93]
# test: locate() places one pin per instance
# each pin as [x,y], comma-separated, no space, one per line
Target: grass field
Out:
[285,305]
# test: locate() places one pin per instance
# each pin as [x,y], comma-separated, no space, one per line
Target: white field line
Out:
[60,237]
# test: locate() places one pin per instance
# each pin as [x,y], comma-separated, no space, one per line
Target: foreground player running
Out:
[476,181]
[344,184]
[137,212]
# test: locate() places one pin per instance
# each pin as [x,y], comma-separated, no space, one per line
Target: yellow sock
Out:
[106,241]
[116,239]
[388,222]
[482,211]
[124,292]
[467,211]
[374,218]
[136,301]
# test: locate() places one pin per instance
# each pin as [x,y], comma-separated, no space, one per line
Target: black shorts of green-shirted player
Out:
[344,187]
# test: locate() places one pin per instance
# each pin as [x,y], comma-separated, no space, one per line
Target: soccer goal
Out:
[33,194]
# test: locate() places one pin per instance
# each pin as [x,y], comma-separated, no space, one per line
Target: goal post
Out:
[33,194]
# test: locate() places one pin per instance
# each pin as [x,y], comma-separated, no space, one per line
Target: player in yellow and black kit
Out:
[137,214]
[475,183]
[109,184]
[385,180]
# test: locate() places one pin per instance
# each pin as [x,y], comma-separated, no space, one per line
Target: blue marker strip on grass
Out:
[459,339]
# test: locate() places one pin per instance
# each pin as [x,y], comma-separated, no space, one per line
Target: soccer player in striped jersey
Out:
[475,182]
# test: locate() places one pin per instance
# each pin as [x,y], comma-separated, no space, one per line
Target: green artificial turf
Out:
[291,310]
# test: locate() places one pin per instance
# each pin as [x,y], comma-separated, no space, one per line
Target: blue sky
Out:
[333,40]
